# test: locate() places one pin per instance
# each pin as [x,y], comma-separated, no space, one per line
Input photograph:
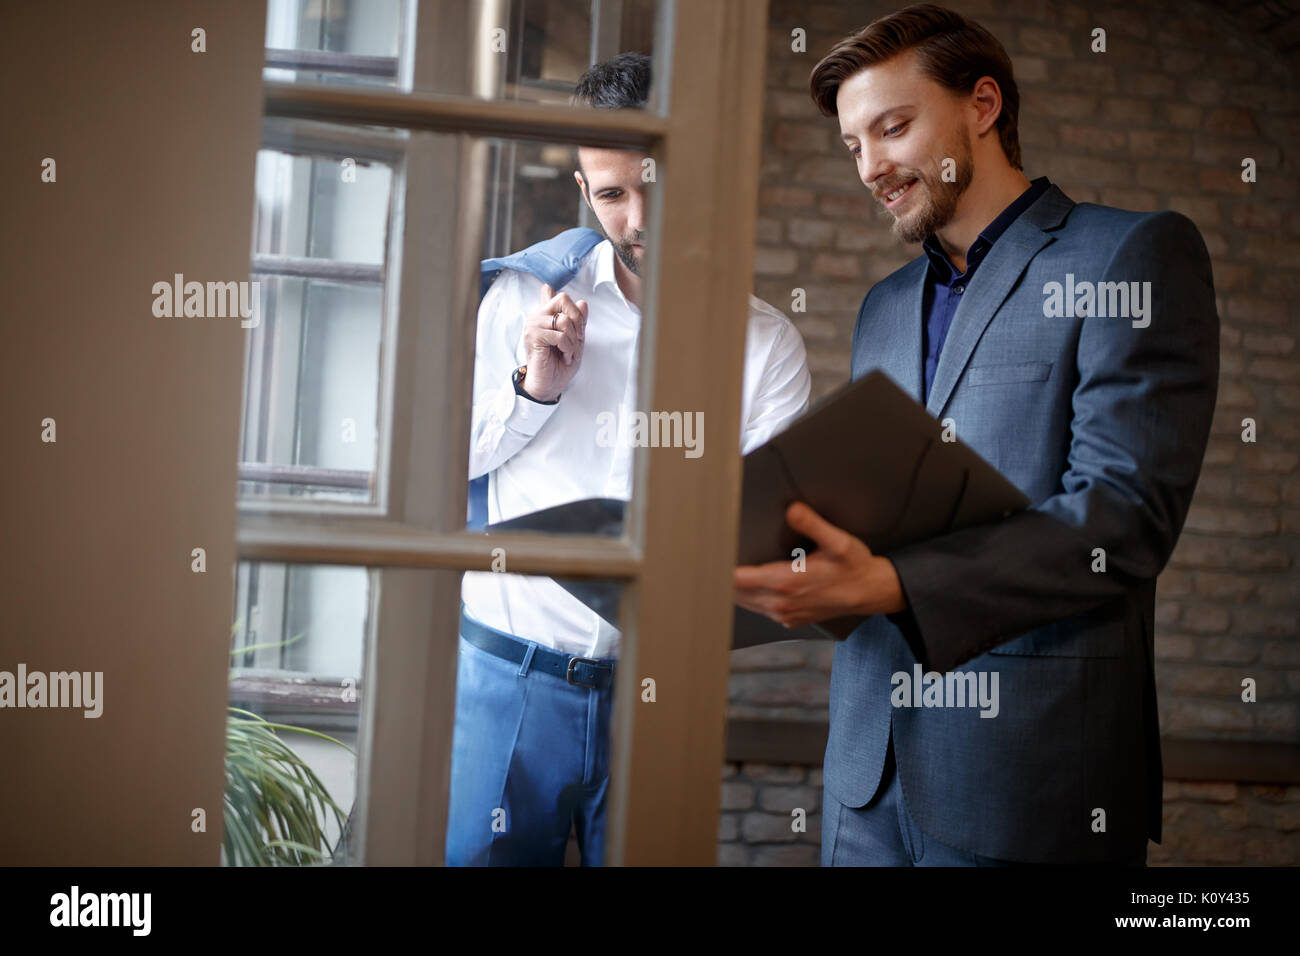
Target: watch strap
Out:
[518,379]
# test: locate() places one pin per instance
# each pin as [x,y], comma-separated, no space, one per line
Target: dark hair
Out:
[953,51]
[617,84]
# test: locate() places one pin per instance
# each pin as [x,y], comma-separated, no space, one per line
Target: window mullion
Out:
[408,704]
[302,137]
[351,539]
[444,113]
[664,774]
[308,267]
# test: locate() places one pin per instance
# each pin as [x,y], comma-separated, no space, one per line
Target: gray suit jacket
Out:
[1102,422]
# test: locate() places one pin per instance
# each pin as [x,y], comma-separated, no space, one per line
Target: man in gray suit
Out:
[1074,347]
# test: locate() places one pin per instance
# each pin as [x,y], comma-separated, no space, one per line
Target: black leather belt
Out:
[588,672]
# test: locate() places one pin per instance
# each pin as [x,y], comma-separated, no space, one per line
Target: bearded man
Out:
[1098,409]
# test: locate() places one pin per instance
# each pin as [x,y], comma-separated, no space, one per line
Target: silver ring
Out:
[555,318]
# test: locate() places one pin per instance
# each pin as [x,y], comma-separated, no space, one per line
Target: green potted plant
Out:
[276,808]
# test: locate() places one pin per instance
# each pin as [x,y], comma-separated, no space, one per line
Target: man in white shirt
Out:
[553,371]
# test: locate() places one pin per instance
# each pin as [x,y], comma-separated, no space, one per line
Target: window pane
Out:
[297,650]
[353,42]
[555,451]
[535,50]
[556,40]
[312,375]
[527,457]
[321,207]
[532,743]
[311,404]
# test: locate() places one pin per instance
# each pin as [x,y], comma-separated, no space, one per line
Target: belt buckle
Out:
[568,673]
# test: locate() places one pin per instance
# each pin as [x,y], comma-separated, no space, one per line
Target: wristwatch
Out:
[518,379]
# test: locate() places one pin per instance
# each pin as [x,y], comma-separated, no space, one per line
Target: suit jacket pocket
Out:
[1008,374]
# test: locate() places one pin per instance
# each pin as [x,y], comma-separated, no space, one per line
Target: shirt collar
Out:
[604,272]
[605,266]
[939,263]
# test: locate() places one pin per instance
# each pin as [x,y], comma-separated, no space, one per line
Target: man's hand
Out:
[842,577]
[554,334]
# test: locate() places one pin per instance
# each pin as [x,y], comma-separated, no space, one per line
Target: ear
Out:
[582,188]
[987,99]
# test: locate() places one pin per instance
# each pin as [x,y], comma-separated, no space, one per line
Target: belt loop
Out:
[528,659]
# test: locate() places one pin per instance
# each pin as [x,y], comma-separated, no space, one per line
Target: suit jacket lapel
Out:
[893,341]
[999,271]
[907,360]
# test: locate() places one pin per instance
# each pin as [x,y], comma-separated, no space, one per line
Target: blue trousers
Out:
[883,833]
[530,761]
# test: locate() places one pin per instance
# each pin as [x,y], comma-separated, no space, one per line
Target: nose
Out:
[636,211]
[872,165]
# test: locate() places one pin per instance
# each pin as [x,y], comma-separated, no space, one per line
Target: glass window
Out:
[297,652]
[517,466]
[312,369]
[514,710]
[354,42]
[556,40]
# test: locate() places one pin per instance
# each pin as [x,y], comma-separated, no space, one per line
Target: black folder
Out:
[868,458]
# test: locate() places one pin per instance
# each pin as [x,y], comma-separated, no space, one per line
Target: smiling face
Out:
[611,184]
[900,126]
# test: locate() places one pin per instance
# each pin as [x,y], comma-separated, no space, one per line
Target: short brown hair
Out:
[953,51]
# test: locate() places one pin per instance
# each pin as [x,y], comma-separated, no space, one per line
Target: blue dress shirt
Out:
[944,288]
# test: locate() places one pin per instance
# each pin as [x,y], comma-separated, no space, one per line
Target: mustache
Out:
[880,192]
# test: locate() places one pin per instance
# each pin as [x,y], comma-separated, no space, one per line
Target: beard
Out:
[934,207]
[623,249]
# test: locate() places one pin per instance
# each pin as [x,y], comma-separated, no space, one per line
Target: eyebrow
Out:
[879,119]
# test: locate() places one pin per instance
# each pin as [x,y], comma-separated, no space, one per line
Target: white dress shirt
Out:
[538,456]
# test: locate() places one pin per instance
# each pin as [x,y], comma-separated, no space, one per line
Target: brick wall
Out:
[1162,120]
[1214,823]
[759,825]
